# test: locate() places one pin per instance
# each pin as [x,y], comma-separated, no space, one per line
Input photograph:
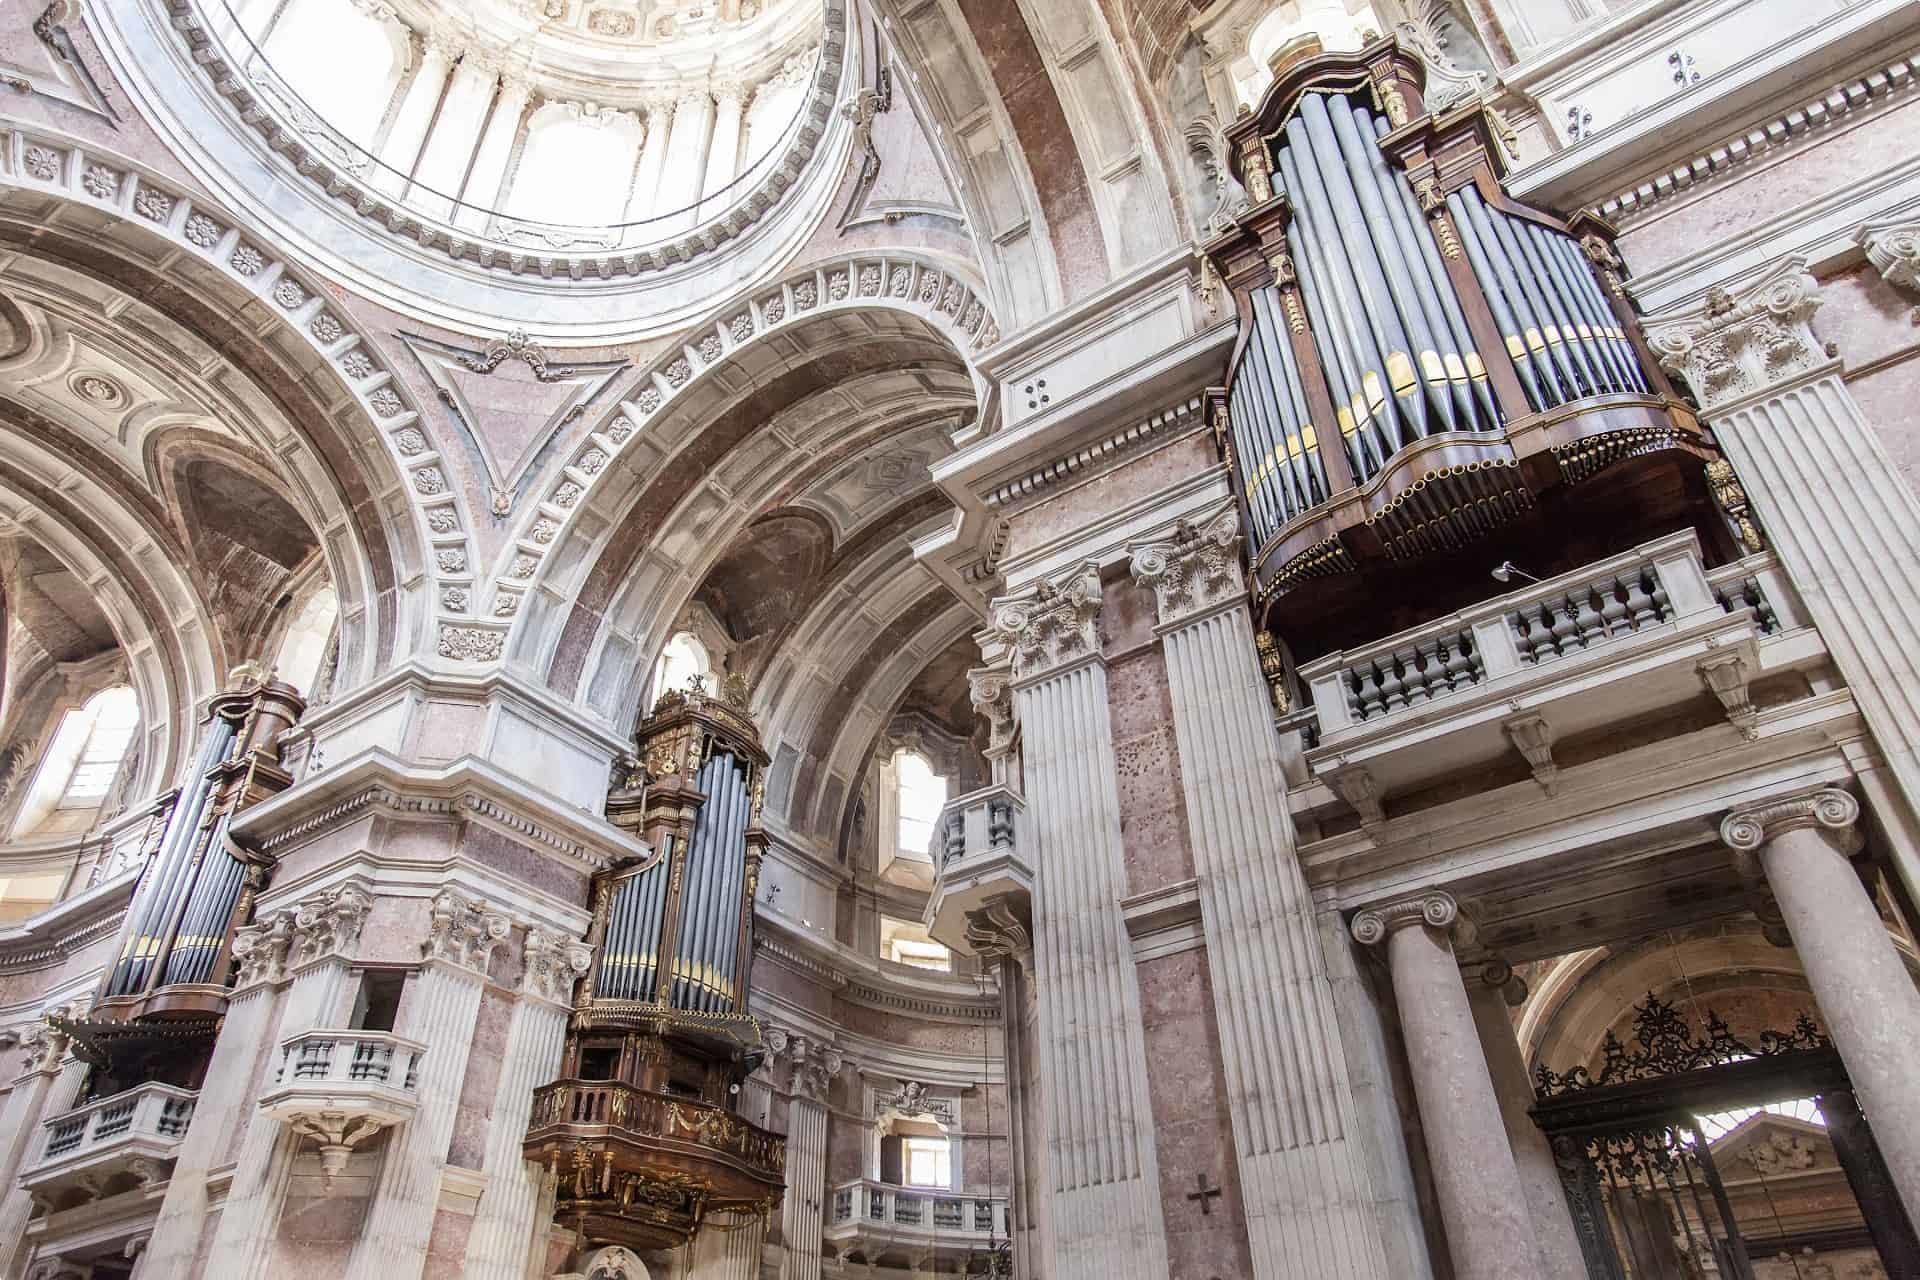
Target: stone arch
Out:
[776,355]
[351,436]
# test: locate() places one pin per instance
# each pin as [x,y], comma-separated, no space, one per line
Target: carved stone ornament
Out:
[1826,810]
[1194,570]
[516,346]
[553,964]
[1375,925]
[462,931]
[336,1133]
[1052,626]
[44,1045]
[998,930]
[328,924]
[1894,250]
[260,950]
[993,702]
[814,1074]
[1732,347]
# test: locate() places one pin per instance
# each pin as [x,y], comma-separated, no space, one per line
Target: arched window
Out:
[314,45]
[682,661]
[83,758]
[575,169]
[921,793]
[305,645]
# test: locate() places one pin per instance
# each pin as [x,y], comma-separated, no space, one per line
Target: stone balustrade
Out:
[977,856]
[1637,634]
[875,1214]
[129,1132]
[342,1087]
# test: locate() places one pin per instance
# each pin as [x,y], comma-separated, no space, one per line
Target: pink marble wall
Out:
[1068,507]
[447,1246]
[1191,1132]
[471,1119]
[319,1223]
[1153,813]
[1876,327]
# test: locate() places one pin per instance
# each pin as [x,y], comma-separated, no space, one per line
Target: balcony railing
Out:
[1634,635]
[639,1115]
[976,850]
[147,1121]
[867,1207]
[372,1075]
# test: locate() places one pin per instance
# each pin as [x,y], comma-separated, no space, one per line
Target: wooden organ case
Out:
[1430,376]
[640,1131]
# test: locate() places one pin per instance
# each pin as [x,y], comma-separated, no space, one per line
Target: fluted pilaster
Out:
[440,1009]
[803,1207]
[1303,1178]
[1105,1212]
[49,1085]
[504,1221]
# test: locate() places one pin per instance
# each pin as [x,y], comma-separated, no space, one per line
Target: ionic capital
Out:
[1194,569]
[463,931]
[1829,809]
[553,964]
[1894,250]
[1052,625]
[1375,925]
[1732,346]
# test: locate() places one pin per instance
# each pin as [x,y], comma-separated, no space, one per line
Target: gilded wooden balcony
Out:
[643,1168]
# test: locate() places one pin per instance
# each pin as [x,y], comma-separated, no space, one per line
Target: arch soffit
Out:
[576,516]
[157,616]
[381,458]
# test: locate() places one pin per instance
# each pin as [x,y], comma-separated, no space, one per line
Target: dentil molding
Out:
[1733,346]
[1193,570]
[1437,909]
[1053,625]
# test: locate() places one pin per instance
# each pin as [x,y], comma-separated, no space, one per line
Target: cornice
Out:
[49,937]
[1109,448]
[859,980]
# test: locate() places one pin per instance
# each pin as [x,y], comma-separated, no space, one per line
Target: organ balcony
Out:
[977,860]
[109,1145]
[1532,675]
[882,1225]
[340,1088]
[1430,377]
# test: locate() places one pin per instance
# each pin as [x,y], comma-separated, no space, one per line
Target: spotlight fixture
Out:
[1506,569]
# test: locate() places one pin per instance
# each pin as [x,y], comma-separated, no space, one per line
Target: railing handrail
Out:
[132,1095]
[1684,540]
[355,1035]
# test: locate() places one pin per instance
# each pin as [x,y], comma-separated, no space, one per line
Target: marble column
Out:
[226,1104]
[1482,1201]
[1838,513]
[643,202]
[503,1229]
[440,1009]
[686,162]
[1867,1000]
[803,1207]
[325,932]
[723,152]
[47,1087]
[1492,997]
[401,150]
[1303,1176]
[450,144]
[482,192]
[1105,1211]
[999,935]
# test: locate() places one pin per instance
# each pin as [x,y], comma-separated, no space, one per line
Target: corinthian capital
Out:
[462,931]
[1195,568]
[1894,250]
[1053,624]
[553,964]
[260,950]
[993,702]
[329,923]
[1733,346]
[1437,910]
[1829,809]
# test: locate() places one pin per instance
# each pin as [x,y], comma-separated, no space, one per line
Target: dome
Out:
[560,141]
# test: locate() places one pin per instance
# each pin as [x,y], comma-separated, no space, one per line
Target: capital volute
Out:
[1051,625]
[328,924]
[1436,910]
[462,931]
[260,950]
[1894,250]
[553,963]
[1731,346]
[990,691]
[1828,810]
[1194,568]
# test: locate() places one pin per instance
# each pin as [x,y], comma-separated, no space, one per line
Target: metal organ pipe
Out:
[1303,451]
[1509,311]
[1582,287]
[1557,307]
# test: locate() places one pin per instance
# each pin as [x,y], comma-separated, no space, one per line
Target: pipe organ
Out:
[640,1131]
[1423,362]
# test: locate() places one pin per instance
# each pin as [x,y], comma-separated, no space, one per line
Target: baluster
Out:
[1565,629]
[1613,607]
[1763,613]
[1393,686]
[1539,632]
[1522,642]
[1639,603]
[1367,687]
[1419,679]
[1662,607]
[1588,619]
[1460,671]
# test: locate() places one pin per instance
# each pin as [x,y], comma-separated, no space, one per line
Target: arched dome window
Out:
[82,759]
[305,645]
[576,167]
[314,44]
[681,662]
[920,794]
